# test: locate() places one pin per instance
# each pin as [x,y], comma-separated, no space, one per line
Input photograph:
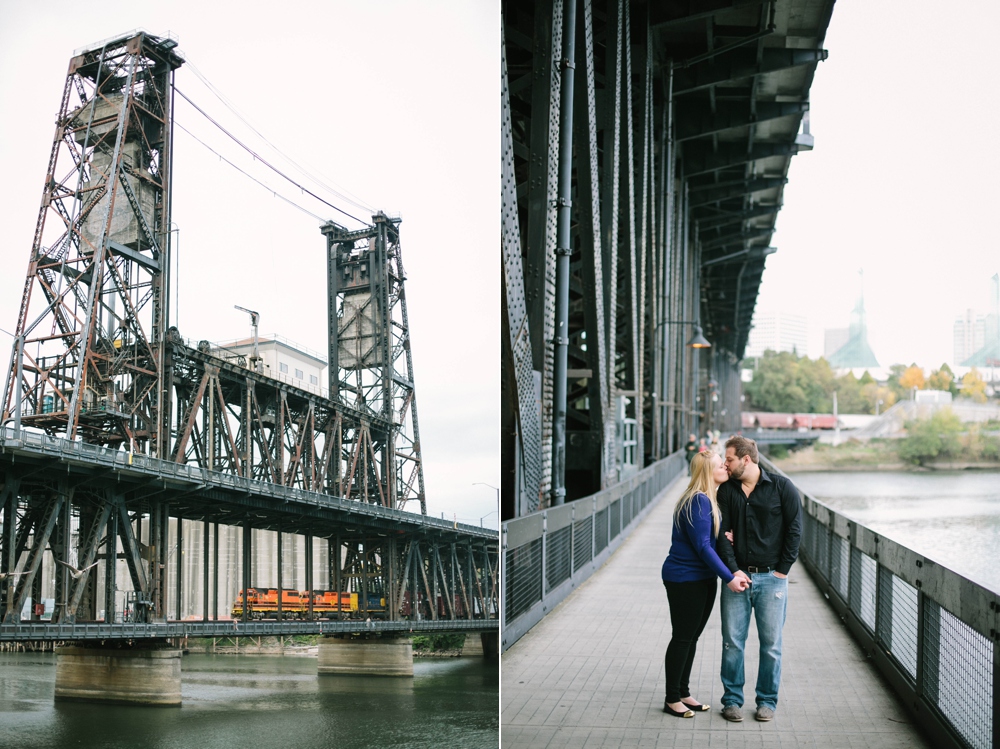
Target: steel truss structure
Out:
[164,433]
[84,507]
[88,353]
[677,122]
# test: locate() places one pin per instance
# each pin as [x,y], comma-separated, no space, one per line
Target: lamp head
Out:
[698,340]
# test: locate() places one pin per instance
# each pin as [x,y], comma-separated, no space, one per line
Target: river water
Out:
[952,517]
[262,701]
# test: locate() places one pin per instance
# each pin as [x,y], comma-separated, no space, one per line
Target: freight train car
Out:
[262,603]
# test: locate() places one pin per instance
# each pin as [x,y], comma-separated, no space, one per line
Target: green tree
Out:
[973,386]
[978,445]
[775,385]
[850,399]
[872,393]
[895,372]
[943,379]
[816,380]
[927,439]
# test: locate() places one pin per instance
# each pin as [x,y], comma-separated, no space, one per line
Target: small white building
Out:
[933,396]
[281,359]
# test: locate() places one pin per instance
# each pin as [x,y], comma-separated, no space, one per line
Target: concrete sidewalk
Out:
[591,673]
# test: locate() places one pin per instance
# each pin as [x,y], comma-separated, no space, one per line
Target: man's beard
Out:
[737,472]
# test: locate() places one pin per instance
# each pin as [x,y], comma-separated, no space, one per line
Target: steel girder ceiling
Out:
[686,116]
[739,109]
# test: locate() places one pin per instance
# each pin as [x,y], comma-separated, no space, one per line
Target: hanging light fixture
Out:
[698,340]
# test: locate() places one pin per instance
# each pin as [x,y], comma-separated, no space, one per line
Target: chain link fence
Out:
[546,554]
[931,632]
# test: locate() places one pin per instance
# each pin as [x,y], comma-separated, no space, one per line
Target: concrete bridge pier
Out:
[139,673]
[363,655]
[481,644]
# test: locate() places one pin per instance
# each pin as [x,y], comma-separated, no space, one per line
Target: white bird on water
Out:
[73,571]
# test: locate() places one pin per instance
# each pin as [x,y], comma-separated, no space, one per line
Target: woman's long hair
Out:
[701,481]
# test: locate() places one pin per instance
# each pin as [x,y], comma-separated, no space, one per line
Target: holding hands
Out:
[739,583]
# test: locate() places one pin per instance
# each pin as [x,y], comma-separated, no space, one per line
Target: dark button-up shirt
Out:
[767,525]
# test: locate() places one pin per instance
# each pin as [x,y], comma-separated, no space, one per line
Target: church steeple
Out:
[856,353]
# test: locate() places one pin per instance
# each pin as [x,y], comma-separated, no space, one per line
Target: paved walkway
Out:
[591,673]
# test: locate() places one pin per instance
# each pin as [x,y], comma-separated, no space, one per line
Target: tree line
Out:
[784,382]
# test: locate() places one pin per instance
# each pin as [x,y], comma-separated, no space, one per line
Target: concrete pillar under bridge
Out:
[481,644]
[365,655]
[124,673]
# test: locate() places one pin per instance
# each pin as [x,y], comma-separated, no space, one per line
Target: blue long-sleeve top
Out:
[692,548]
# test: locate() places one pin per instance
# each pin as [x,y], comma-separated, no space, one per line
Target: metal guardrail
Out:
[157,630]
[547,554]
[931,632]
[89,454]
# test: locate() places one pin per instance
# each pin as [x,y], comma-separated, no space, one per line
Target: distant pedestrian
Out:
[689,573]
[690,449]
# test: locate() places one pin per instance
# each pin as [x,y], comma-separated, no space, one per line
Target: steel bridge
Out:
[645,151]
[123,444]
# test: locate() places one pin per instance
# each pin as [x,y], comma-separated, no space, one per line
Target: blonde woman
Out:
[689,573]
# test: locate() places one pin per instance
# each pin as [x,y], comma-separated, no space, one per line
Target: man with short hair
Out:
[764,513]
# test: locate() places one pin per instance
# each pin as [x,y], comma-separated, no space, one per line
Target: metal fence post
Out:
[503,575]
[545,554]
[930,633]
[593,529]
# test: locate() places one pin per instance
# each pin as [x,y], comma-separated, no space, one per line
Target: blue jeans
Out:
[768,598]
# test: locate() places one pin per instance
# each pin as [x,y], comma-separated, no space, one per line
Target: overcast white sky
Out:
[396,102]
[902,181]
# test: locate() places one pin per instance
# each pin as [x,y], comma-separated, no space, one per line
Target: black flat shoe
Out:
[677,714]
[698,708]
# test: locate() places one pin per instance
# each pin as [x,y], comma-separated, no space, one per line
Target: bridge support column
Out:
[473,645]
[481,644]
[491,644]
[140,674]
[375,656]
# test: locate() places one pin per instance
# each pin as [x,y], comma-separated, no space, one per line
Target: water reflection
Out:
[262,701]
[952,517]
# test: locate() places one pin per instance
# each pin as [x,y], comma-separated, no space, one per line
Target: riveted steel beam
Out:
[699,119]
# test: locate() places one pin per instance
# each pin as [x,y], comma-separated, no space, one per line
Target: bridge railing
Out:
[547,554]
[931,631]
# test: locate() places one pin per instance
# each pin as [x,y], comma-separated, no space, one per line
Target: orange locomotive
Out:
[263,603]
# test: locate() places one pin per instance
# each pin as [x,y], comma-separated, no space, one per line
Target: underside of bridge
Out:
[645,151]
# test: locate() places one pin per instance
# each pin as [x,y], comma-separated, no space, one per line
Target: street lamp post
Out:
[483,483]
[697,341]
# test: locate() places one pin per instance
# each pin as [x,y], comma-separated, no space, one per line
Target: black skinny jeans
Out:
[690,606]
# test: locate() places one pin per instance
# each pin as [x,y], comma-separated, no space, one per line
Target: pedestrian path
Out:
[590,674]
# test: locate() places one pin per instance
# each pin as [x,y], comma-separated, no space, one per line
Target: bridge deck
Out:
[591,673]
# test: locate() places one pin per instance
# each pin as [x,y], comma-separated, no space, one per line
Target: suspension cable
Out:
[263,161]
[241,171]
[345,195]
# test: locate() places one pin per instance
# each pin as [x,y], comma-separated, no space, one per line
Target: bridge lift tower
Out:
[95,359]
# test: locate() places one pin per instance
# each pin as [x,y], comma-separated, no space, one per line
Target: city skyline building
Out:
[778,331]
[969,334]
[988,355]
